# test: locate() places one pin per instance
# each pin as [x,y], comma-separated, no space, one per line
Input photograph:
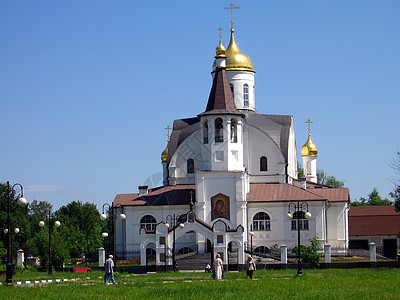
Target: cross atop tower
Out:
[309,126]
[220,33]
[168,128]
[232,7]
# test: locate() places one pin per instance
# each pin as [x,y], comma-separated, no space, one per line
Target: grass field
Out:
[282,284]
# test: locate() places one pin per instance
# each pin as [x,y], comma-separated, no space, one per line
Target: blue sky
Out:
[87,87]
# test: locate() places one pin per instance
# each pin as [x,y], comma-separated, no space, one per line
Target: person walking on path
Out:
[109,268]
[218,267]
[250,266]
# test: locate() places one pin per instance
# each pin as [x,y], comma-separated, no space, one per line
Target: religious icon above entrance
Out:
[220,207]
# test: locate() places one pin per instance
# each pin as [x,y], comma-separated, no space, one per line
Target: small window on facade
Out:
[148,222]
[263,164]
[246,95]
[219,130]
[303,222]
[205,133]
[233,131]
[232,89]
[261,222]
[190,165]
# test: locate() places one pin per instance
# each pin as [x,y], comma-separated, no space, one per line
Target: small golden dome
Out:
[309,148]
[164,155]
[236,59]
[220,50]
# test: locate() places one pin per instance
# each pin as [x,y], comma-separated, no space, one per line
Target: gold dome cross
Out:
[232,7]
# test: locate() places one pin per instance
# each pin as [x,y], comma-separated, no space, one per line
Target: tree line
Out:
[78,235]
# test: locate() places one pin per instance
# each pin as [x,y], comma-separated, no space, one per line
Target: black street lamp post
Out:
[50,224]
[21,202]
[297,209]
[103,217]
[174,223]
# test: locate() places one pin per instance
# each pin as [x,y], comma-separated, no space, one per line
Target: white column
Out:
[327,251]
[372,252]
[284,254]
[102,257]
[20,257]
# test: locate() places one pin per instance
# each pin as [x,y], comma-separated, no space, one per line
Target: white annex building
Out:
[230,177]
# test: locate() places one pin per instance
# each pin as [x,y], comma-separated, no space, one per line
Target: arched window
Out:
[232,89]
[148,222]
[205,132]
[219,130]
[233,131]
[303,222]
[246,95]
[263,164]
[261,222]
[190,165]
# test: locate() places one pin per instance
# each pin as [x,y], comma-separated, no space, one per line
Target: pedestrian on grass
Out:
[250,266]
[109,268]
[218,267]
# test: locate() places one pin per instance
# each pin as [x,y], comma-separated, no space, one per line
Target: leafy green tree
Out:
[300,171]
[309,254]
[84,227]
[59,247]
[374,199]
[395,194]
[331,181]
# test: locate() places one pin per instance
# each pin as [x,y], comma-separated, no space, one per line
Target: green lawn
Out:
[283,284]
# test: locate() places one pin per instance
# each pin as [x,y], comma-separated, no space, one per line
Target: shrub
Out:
[309,254]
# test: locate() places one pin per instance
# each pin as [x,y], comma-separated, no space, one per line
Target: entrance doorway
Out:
[390,248]
[233,256]
[151,257]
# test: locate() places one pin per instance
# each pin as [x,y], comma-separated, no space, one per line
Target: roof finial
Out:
[309,126]
[168,128]
[232,7]
[220,29]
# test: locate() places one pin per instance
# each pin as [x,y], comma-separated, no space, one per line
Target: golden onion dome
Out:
[164,155]
[236,60]
[309,148]
[220,50]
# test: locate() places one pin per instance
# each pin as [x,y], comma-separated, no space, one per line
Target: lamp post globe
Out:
[57,224]
[16,230]
[104,235]
[122,217]
[103,217]
[22,201]
[41,224]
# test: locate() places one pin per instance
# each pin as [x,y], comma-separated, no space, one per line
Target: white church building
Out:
[230,177]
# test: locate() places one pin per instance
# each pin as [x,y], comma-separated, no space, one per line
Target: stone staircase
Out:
[193,261]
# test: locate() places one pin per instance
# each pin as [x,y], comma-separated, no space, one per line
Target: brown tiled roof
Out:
[165,195]
[373,220]
[127,199]
[332,194]
[276,192]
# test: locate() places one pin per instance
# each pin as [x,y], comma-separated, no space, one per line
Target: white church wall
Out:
[191,148]
[213,183]
[337,220]
[136,213]
[260,144]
